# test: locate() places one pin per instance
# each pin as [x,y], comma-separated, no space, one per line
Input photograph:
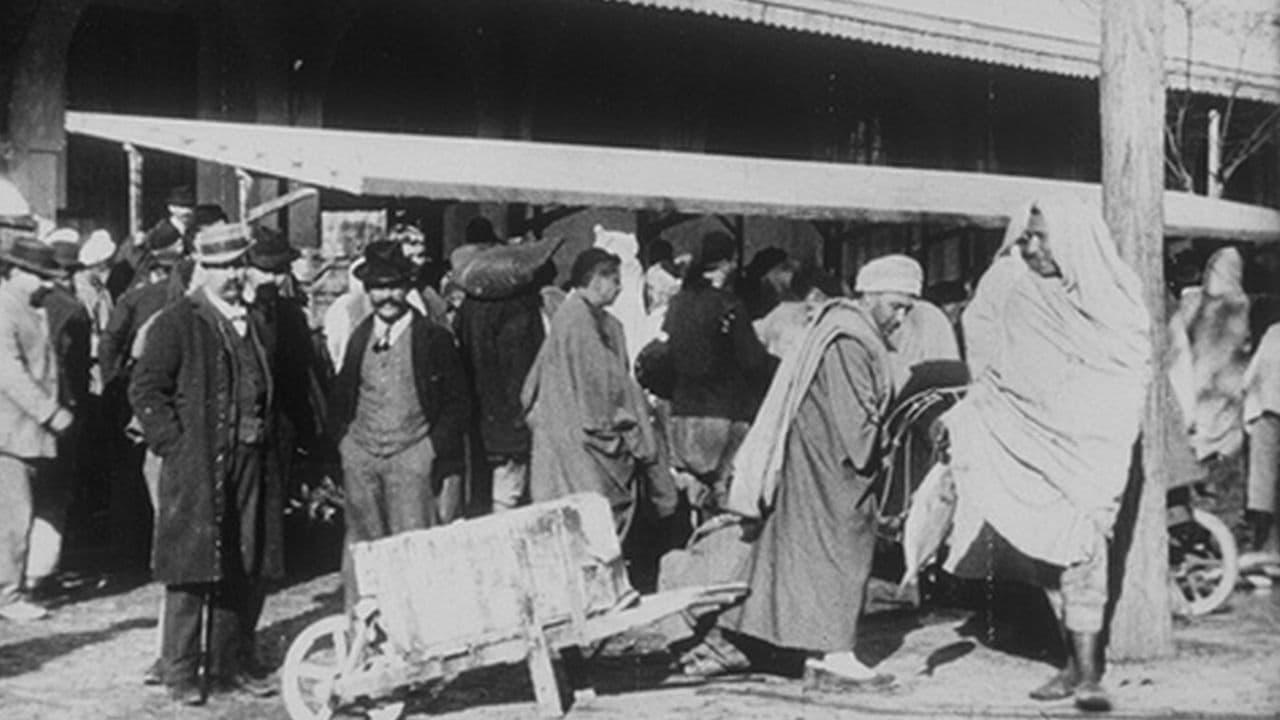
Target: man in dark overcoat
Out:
[202,390]
[399,408]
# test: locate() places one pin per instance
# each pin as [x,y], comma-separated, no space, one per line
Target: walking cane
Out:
[206,624]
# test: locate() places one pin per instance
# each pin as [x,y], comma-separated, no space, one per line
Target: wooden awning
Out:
[506,171]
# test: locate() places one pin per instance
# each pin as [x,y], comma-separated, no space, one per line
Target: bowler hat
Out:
[384,265]
[162,235]
[271,251]
[221,243]
[208,214]
[31,255]
[181,196]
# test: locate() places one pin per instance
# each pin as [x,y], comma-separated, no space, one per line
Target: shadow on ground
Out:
[30,655]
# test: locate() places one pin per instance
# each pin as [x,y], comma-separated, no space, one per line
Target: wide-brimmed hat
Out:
[384,265]
[181,196]
[31,255]
[271,251]
[221,243]
[98,249]
[66,248]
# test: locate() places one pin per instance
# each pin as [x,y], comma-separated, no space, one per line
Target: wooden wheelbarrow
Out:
[525,585]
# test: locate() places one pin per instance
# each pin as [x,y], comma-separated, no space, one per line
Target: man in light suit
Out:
[30,416]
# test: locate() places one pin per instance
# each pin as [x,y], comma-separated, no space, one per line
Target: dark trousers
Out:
[230,607]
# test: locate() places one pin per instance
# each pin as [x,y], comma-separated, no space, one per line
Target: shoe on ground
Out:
[244,684]
[820,672]
[187,692]
[154,674]
[1090,697]
[23,611]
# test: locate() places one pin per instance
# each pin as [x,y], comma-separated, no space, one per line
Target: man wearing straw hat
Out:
[202,390]
[30,414]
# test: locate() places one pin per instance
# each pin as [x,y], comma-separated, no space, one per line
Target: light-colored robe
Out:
[591,426]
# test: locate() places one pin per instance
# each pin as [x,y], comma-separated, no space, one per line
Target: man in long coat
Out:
[202,390]
[807,466]
[591,425]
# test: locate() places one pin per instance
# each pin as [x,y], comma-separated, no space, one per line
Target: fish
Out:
[945,654]
[928,523]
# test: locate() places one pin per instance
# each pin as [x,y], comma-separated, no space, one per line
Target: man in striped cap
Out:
[202,390]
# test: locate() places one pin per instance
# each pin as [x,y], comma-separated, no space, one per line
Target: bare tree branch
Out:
[1260,136]
[1174,162]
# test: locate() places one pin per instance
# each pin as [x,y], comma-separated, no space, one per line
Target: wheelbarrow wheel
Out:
[312,666]
[1204,563]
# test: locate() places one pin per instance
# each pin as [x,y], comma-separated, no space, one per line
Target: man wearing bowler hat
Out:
[286,335]
[398,409]
[134,258]
[31,417]
[203,391]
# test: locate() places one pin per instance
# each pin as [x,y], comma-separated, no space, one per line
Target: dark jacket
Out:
[127,317]
[286,336]
[181,391]
[439,383]
[719,361]
[500,339]
[69,330]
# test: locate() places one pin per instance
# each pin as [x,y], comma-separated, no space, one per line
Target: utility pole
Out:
[1132,102]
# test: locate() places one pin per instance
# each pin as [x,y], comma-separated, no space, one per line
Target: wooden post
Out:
[135,190]
[1213,183]
[1132,104]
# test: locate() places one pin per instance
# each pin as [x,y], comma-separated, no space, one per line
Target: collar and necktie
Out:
[383,343]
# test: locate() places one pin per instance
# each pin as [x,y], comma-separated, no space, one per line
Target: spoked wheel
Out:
[312,666]
[1204,563]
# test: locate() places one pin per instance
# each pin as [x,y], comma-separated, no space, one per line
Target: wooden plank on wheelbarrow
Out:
[656,607]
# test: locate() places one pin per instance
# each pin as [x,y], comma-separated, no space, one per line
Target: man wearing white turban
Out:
[805,468]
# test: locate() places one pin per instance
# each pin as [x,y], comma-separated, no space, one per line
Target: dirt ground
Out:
[86,661]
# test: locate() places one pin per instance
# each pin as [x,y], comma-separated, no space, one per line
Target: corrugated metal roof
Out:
[472,169]
[1234,44]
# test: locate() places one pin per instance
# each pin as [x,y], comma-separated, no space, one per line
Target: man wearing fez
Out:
[398,409]
[203,392]
[31,417]
[591,424]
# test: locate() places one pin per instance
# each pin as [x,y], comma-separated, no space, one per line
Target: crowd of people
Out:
[682,392]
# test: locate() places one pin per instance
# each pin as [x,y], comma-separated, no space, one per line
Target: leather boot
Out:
[1089,695]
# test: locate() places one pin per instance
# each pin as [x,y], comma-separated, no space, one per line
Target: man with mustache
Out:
[398,410]
[203,392]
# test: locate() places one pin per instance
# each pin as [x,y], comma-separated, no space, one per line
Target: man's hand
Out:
[940,439]
[60,420]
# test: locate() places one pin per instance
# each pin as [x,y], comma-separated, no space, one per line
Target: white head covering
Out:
[97,249]
[62,235]
[891,273]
